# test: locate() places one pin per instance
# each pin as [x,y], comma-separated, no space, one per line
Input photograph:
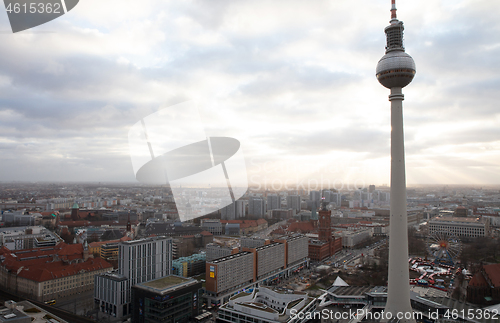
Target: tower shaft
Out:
[398,295]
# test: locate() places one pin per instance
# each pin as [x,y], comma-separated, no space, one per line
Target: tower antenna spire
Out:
[393,10]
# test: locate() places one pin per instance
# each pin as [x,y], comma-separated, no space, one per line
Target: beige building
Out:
[461,227]
[50,272]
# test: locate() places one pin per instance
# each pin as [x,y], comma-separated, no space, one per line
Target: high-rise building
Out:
[296,248]
[138,261]
[228,212]
[166,299]
[270,259]
[228,273]
[256,207]
[315,195]
[273,202]
[395,70]
[336,198]
[239,209]
[327,195]
[233,211]
[293,202]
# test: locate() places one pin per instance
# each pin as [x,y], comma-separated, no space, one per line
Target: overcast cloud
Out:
[292,80]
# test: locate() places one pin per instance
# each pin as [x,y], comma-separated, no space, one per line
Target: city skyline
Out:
[284,80]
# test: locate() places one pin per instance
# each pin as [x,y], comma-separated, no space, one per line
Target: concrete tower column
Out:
[398,297]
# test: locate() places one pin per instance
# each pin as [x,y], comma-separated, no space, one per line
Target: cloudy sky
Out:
[292,80]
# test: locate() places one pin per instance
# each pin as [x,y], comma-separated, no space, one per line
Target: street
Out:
[81,303]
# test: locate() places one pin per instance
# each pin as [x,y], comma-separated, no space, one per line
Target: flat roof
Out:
[458,219]
[114,275]
[146,240]
[225,258]
[268,246]
[167,284]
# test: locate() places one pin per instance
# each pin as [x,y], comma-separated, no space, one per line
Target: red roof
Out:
[301,227]
[58,269]
[46,263]
[478,281]
[206,233]
[100,243]
[493,272]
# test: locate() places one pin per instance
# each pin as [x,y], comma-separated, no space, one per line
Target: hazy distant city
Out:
[249,161]
[85,235]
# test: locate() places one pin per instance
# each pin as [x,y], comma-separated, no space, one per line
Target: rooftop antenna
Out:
[393,11]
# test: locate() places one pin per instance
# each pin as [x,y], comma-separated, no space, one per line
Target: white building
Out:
[267,306]
[350,238]
[17,238]
[214,226]
[138,261]
[461,227]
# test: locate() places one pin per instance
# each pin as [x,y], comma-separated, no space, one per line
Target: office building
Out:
[229,273]
[282,214]
[293,202]
[233,211]
[296,248]
[17,238]
[273,202]
[461,227]
[315,196]
[189,266]
[139,261]
[351,238]
[256,207]
[265,305]
[213,226]
[269,258]
[246,269]
[50,272]
[228,212]
[170,299]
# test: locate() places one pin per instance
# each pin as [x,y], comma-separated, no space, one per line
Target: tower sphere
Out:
[395,69]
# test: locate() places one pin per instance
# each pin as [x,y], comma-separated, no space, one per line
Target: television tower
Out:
[396,70]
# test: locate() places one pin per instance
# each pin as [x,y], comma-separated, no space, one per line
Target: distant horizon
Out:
[476,186]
